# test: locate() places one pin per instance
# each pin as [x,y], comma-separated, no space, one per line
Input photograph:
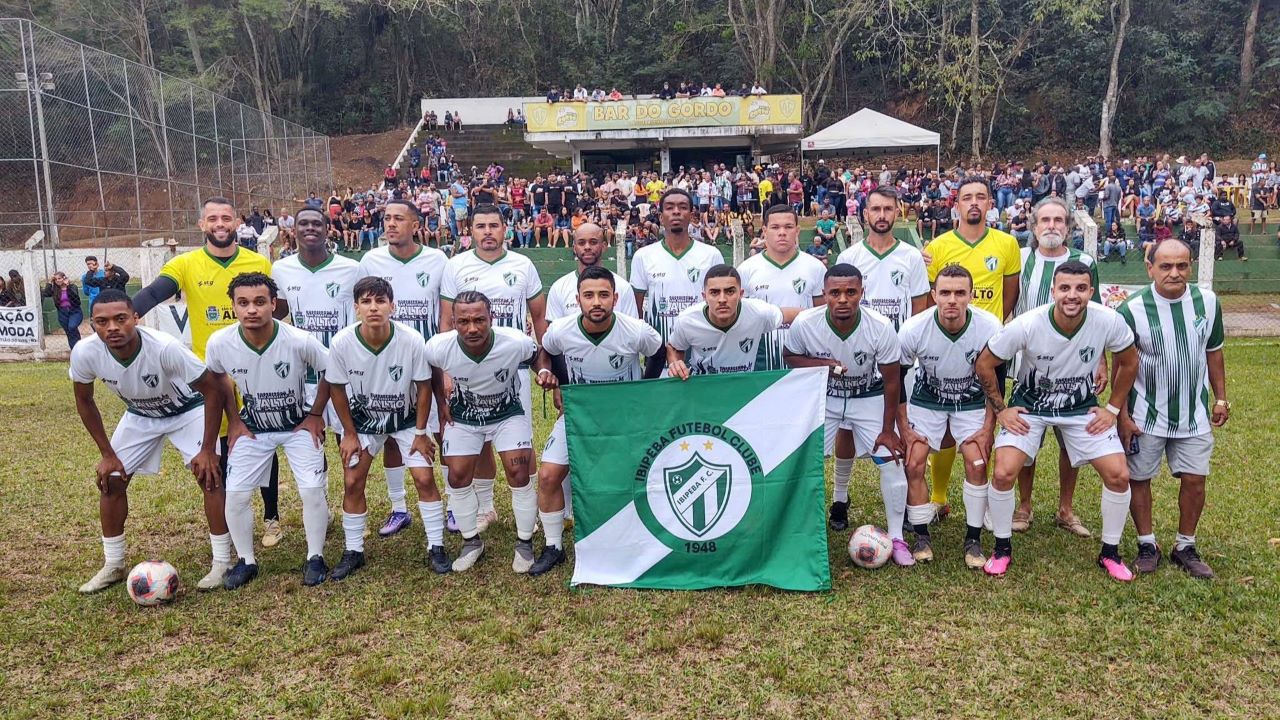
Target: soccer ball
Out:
[870,547]
[152,582]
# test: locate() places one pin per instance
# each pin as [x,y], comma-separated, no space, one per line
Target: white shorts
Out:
[932,424]
[864,416]
[1081,447]
[373,445]
[1188,455]
[556,451]
[249,464]
[139,440]
[514,433]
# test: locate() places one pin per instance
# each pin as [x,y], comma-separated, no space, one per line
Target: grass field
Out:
[1054,639]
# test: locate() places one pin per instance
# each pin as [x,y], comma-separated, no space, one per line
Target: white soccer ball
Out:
[152,582]
[870,547]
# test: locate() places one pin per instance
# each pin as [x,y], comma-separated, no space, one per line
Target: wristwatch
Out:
[1223,404]
[421,431]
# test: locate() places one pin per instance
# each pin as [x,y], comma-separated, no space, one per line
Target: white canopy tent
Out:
[868,130]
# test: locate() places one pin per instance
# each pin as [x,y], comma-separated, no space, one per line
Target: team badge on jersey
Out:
[502,375]
[282,369]
[897,276]
[151,379]
[331,289]
[971,356]
[423,279]
[1086,354]
[798,284]
[699,492]
[396,371]
[745,344]
[860,357]
[509,279]
[616,361]
[991,263]
[693,274]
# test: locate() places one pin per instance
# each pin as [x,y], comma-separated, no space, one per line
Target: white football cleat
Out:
[109,575]
[523,559]
[471,551]
[213,580]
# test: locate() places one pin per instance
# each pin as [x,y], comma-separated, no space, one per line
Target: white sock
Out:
[1115,511]
[524,505]
[484,494]
[315,519]
[240,523]
[844,468]
[1148,539]
[553,527]
[893,490]
[395,488]
[1182,541]
[567,486]
[1002,504]
[919,514]
[221,545]
[433,522]
[975,504]
[463,501]
[353,530]
[113,550]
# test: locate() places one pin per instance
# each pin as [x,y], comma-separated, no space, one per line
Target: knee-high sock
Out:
[975,504]
[240,523]
[463,501]
[484,494]
[432,521]
[893,490]
[567,486]
[315,519]
[395,488]
[940,464]
[524,505]
[843,469]
[1001,504]
[353,530]
[553,527]
[1115,511]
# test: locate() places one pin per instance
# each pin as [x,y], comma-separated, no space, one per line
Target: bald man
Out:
[588,249]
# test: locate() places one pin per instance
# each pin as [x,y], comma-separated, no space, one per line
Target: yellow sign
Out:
[640,114]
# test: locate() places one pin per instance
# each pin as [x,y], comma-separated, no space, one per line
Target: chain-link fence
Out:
[100,151]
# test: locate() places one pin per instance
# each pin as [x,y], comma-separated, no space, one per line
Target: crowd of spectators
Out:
[684,89]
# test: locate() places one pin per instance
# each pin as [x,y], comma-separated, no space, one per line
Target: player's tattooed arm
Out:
[987,363]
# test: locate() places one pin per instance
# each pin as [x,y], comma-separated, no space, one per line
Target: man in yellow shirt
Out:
[766,192]
[654,188]
[993,258]
[202,276]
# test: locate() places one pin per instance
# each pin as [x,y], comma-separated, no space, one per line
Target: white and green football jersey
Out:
[671,283]
[319,297]
[416,283]
[1056,369]
[486,386]
[793,284]
[380,383]
[945,376]
[1171,395]
[272,380]
[1036,280]
[709,350]
[870,344]
[155,382]
[612,357]
[889,280]
[509,282]
[562,298]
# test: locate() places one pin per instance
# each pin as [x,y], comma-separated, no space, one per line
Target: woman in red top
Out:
[517,201]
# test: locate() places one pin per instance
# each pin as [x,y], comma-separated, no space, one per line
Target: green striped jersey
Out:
[1036,280]
[1170,397]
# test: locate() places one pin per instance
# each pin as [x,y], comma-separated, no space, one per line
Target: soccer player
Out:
[1051,225]
[1057,346]
[514,290]
[947,400]
[782,276]
[202,276]
[597,345]
[588,249]
[484,362]
[860,348]
[379,380]
[415,273]
[269,362]
[896,282]
[163,386]
[1178,329]
[991,257]
[667,275]
[722,333]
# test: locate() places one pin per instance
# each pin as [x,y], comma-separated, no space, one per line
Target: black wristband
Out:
[314,414]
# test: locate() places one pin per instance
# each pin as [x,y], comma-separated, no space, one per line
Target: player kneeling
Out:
[268,361]
[483,364]
[596,345]
[379,380]
[947,400]
[164,387]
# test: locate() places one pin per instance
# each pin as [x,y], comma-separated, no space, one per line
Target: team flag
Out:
[713,482]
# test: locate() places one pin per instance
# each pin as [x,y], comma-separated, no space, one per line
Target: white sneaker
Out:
[272,534]
[485,519]
[213,580]
[109,575]
[471,551]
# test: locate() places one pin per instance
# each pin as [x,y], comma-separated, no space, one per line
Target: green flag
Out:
[713,482]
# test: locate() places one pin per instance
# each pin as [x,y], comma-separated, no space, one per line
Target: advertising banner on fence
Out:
[640,114]
[18,327]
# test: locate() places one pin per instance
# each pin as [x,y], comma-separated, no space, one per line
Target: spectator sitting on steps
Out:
[1228,235]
